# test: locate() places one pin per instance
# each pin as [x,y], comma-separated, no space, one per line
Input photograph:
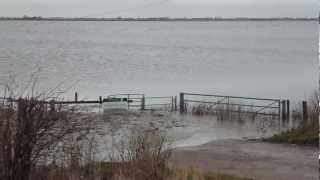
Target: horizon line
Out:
[119,18]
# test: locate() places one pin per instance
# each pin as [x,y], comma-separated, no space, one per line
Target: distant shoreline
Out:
[153,19]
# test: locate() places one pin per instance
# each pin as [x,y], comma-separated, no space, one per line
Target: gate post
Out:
[143,103]
[175,103]
[100,99]
[279,113]
[288,113]
[283,112]
[182,109]
[172,103]
[228,109]
[305,111]
[52,105]
[76,97]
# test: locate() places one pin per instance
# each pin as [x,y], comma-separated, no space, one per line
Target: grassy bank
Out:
[308,131]
[305,135]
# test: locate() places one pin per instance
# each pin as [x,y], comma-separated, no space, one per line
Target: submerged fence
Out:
[198,103]
[142,102]
[206,103]
[164,103]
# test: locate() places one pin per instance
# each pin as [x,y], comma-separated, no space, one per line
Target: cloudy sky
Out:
[157,8]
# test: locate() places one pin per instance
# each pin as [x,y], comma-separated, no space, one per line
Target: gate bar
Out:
[234,97]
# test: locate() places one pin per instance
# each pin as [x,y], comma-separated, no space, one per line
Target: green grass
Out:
[304,135]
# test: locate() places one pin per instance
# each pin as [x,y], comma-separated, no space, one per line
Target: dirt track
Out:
[253,159]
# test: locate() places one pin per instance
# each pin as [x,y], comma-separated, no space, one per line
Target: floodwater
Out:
[252,159]
[259,59]
[118,127]
[254,59]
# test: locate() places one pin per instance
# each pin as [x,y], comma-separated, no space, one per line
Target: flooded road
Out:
[180,130]
[207,144]
[252,159]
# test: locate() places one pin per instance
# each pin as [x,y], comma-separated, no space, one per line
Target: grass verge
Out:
[304,135]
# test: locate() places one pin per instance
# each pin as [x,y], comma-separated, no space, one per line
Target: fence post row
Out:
[284,105]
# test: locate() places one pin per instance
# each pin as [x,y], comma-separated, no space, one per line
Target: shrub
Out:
[30,130]
[143,157]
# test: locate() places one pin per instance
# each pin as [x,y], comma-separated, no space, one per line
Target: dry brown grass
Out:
[143,157]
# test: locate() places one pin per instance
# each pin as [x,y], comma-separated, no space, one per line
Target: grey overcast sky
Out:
[160,8]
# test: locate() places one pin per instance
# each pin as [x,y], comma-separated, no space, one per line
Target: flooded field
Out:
[255,59]
[254,159]
[117,127]
[204,142]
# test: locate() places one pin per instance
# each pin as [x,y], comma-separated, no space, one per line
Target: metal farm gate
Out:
[141,102]
[202,104]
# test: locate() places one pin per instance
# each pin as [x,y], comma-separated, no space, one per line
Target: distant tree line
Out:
[38,18]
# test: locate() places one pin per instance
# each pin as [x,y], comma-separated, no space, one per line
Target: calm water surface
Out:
[263,59]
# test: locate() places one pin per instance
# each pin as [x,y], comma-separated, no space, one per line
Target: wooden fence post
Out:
[228,109]
[182,108]
[172,103]
[279,112]
[283,110]
[128,99]
[305,111]
[100,99]
[52,105]
[143,103]
[288,113]
[76,97]
[175,103]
